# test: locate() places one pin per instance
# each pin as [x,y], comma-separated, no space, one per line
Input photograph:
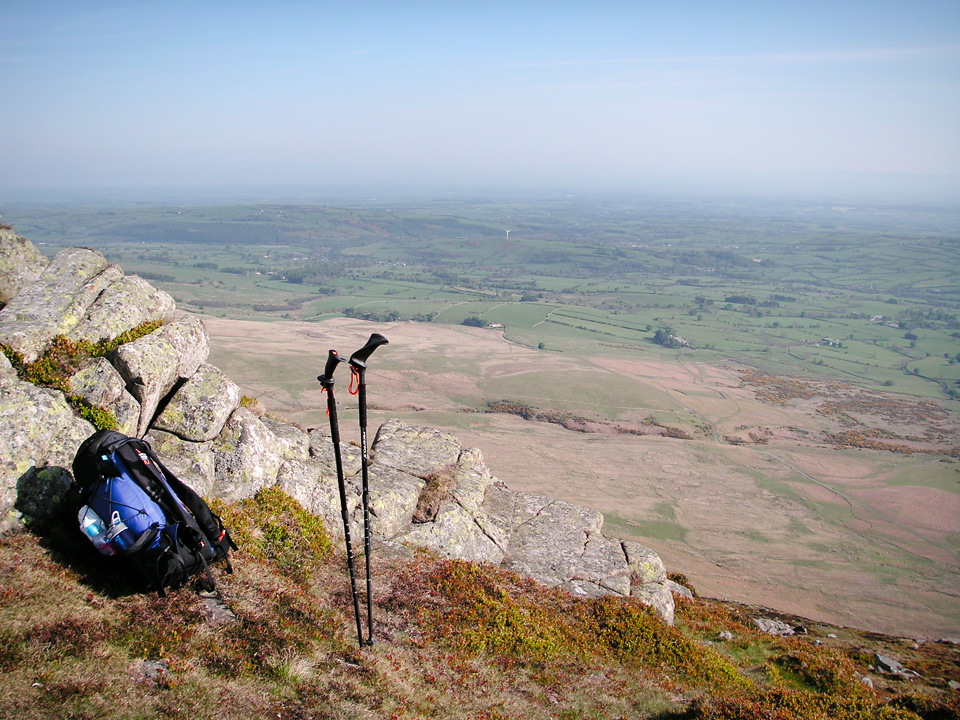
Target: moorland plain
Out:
[766,395]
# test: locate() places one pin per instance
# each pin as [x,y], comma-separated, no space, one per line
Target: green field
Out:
[867,295]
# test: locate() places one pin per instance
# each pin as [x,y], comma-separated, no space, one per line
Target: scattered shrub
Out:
[272,526]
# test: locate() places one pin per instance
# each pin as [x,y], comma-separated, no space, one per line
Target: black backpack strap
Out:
[88,464]
[209,522]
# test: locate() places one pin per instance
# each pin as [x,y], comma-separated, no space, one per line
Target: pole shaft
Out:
[344,513]
[364,475]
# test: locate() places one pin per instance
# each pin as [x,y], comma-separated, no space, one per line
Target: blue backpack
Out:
[132,506]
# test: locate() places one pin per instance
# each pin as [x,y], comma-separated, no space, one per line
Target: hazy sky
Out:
[460,92]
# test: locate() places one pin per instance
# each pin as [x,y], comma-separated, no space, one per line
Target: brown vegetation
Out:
[454,640]
[867,416]
[434,494]
[579,423]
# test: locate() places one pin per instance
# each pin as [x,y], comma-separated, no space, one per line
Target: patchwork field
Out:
[812,497]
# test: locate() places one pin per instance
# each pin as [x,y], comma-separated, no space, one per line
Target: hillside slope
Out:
[453,640]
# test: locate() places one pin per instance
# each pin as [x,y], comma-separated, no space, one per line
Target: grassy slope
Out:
[454,640]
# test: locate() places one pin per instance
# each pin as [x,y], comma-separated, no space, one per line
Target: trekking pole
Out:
[358,365]
[326,381]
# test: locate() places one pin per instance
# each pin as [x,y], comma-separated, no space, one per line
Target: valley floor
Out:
[752,486]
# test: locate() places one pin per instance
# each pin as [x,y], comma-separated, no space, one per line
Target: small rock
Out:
[153,669]
[889,666]
[678,589]
[725,635]
[218,612]
[773,627]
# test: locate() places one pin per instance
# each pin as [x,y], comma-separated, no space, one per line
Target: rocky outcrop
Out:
[79,295]
[247,457]
[56,302]
[20,263]
[481,519]
[124,305]
[152,365]
[200,408]
[38,429]
[99,383]
[425,489]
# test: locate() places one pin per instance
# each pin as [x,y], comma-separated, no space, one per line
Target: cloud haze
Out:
[608,95]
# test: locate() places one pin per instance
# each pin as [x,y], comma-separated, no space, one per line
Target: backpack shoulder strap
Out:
[209,522]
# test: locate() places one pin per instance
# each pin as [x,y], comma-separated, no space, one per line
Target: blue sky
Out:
[605,95]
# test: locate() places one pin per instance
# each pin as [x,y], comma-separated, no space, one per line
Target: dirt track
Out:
[863,538]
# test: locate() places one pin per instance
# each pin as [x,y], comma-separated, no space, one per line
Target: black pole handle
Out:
[359,358]
[332,361]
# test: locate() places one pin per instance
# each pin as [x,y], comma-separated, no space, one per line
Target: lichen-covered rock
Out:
[37,429]
[99,383]
[56,301]
[678,589]
[199,409]
[471,478]
[644,564]
[192,462]
[604,563]
[648,579]
[5,367]
[313,484]
[393,499]
[126,411]
[122,306]
[153,364]
[321,447]
[453,533]
[42,493]
[461,527]
[293,441]
[415,450]
[149,369]
[20,264]
[657,596]
[555,542]
[189,338]
[247,457]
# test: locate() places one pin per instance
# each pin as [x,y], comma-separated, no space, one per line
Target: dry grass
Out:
[453,640]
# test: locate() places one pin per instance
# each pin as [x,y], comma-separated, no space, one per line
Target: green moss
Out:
[274,527]
[63,356]
[100,418]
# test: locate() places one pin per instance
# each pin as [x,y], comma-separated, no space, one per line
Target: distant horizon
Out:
[864,189]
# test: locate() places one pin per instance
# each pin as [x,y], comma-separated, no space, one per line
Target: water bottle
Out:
[118,533]
[93,527]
